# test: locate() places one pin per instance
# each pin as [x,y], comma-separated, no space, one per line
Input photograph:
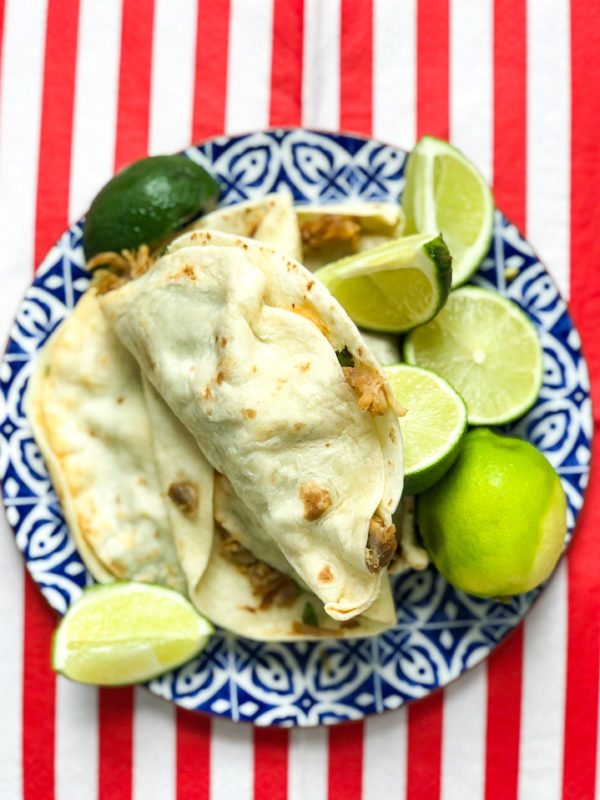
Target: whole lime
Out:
[496,522]
[145,202]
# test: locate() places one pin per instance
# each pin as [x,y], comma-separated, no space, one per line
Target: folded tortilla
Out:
[335,230]
[244,346]
[88,411]
[270,220]
[282,611]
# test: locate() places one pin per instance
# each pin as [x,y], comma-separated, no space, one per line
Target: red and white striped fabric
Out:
[89,85]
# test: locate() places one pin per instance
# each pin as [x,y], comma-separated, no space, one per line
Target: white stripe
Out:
[20,113]
[249,65]
[394,68]
[548,135]
[20,109]
[543,699]
[95,109]
[471,59]
[463,740]
[173,67]
[231,760]
[307,764]
[76,737]
[321,65]
[384,755]
[154,747]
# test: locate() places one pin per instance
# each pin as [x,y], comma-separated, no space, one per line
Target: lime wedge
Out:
[489,351]
[433,427]
[395,286]
[126,632]
[445,192]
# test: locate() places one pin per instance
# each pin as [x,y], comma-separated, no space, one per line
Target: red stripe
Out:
[345,761]
[133,114]
[504,675]
[424,751]
[115,706]
[510,108]
[505,665]
[193,756]
[286,63]
[52,203]
[54,169]
[270,763]
[433,74]
[425,718]
[356,57]
[39,697]
[212,41]
[115,750]
[583,633]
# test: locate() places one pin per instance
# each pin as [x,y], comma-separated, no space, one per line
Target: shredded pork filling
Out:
[330,228]
[268,584]
[381,544]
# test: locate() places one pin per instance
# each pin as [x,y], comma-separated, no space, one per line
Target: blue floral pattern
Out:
[440,631]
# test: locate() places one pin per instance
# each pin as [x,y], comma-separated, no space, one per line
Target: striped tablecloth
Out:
[89,85]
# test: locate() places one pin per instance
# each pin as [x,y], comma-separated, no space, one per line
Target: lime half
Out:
[395,286]
[496,522]
[125,632]
[489,351]
[433,427]
[445,192]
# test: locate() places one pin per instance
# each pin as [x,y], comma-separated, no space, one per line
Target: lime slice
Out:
[433,427]
[445,192]
[124,632]
[489,351]
[395,286]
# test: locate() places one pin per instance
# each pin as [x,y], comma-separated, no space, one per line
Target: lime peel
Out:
[395,286]
[487,348]
[127,632]
[445,191]
[433,427]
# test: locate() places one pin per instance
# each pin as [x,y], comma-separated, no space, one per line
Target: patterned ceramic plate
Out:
[440,632]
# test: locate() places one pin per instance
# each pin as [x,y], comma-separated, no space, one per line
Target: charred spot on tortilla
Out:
[220,377]
[185,496]
[345,357]
[381,544]
[316,500]
[298,425]
[325,575]
[186,271]
[249,413]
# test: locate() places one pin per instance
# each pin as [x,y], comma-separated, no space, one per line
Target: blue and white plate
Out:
[440,632]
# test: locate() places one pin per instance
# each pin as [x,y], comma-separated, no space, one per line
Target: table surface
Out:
[87,86]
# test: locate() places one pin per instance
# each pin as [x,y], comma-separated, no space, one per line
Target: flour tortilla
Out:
[241,344]
[377,222]
[225,596]
[270,220]
[87,409]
